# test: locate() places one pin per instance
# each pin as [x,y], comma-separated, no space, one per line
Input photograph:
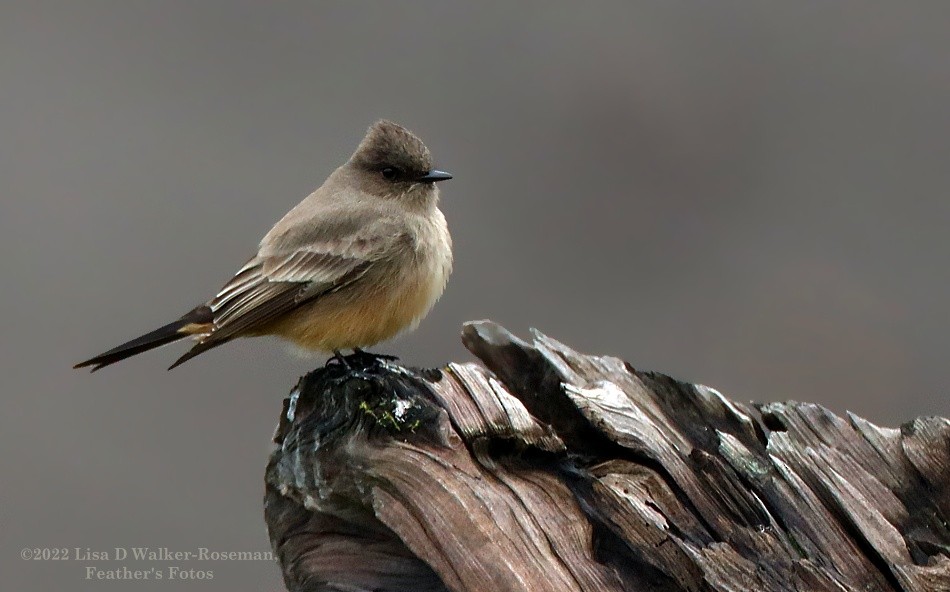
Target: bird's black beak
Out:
[434,176]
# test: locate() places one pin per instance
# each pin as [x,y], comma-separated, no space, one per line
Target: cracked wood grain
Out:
[546,469]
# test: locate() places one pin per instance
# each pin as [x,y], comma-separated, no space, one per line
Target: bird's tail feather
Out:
[163,335]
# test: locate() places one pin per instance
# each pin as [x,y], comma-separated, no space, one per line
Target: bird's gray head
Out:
[392,162]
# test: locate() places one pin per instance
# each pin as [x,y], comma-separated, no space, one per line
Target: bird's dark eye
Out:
[390,173]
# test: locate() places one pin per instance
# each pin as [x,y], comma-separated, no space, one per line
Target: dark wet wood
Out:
[545,469]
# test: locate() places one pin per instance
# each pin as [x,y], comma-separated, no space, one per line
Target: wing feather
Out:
[270,285]
[293,268]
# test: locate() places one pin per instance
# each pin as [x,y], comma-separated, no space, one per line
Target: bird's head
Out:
[392,162]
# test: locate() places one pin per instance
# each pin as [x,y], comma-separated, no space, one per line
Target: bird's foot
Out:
[366,358]
[338,359]
[358,365]
[358,362]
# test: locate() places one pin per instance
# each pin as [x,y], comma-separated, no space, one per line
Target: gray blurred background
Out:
[748,195]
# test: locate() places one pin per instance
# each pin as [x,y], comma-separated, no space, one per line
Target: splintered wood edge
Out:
[547,469]
[854,478]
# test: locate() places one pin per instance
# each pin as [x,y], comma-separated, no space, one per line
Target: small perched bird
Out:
[360,259]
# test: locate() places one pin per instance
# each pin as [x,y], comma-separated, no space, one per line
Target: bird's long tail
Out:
[189,324]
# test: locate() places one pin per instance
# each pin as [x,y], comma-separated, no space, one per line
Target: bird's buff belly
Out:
[339,321]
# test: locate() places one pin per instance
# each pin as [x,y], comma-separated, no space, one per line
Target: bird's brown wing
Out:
[271,285]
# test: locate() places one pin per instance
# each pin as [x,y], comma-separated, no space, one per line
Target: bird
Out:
[361,259]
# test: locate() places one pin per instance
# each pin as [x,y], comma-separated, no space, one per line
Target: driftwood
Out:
[552,470]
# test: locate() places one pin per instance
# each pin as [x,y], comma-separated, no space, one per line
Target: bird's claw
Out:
[366,358]
[359,359]
[338,359]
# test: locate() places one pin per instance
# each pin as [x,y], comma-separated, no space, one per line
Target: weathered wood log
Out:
[546,469]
